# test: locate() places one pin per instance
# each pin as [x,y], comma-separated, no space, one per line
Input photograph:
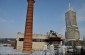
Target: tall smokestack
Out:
[27,45]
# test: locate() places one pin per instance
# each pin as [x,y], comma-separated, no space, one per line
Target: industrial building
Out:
[38,41]
[36,45]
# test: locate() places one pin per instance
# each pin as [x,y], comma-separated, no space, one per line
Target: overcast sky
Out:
[48,15]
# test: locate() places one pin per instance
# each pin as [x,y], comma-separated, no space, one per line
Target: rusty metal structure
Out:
[53,38]
[27,45]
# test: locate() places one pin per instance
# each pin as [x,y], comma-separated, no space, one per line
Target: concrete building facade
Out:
[37,43]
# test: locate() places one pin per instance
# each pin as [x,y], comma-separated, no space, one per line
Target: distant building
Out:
[72,32]
[8,41]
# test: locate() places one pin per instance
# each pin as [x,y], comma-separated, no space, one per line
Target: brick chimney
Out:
[27,45]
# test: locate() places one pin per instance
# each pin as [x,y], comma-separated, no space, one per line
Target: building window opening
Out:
[21,39]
